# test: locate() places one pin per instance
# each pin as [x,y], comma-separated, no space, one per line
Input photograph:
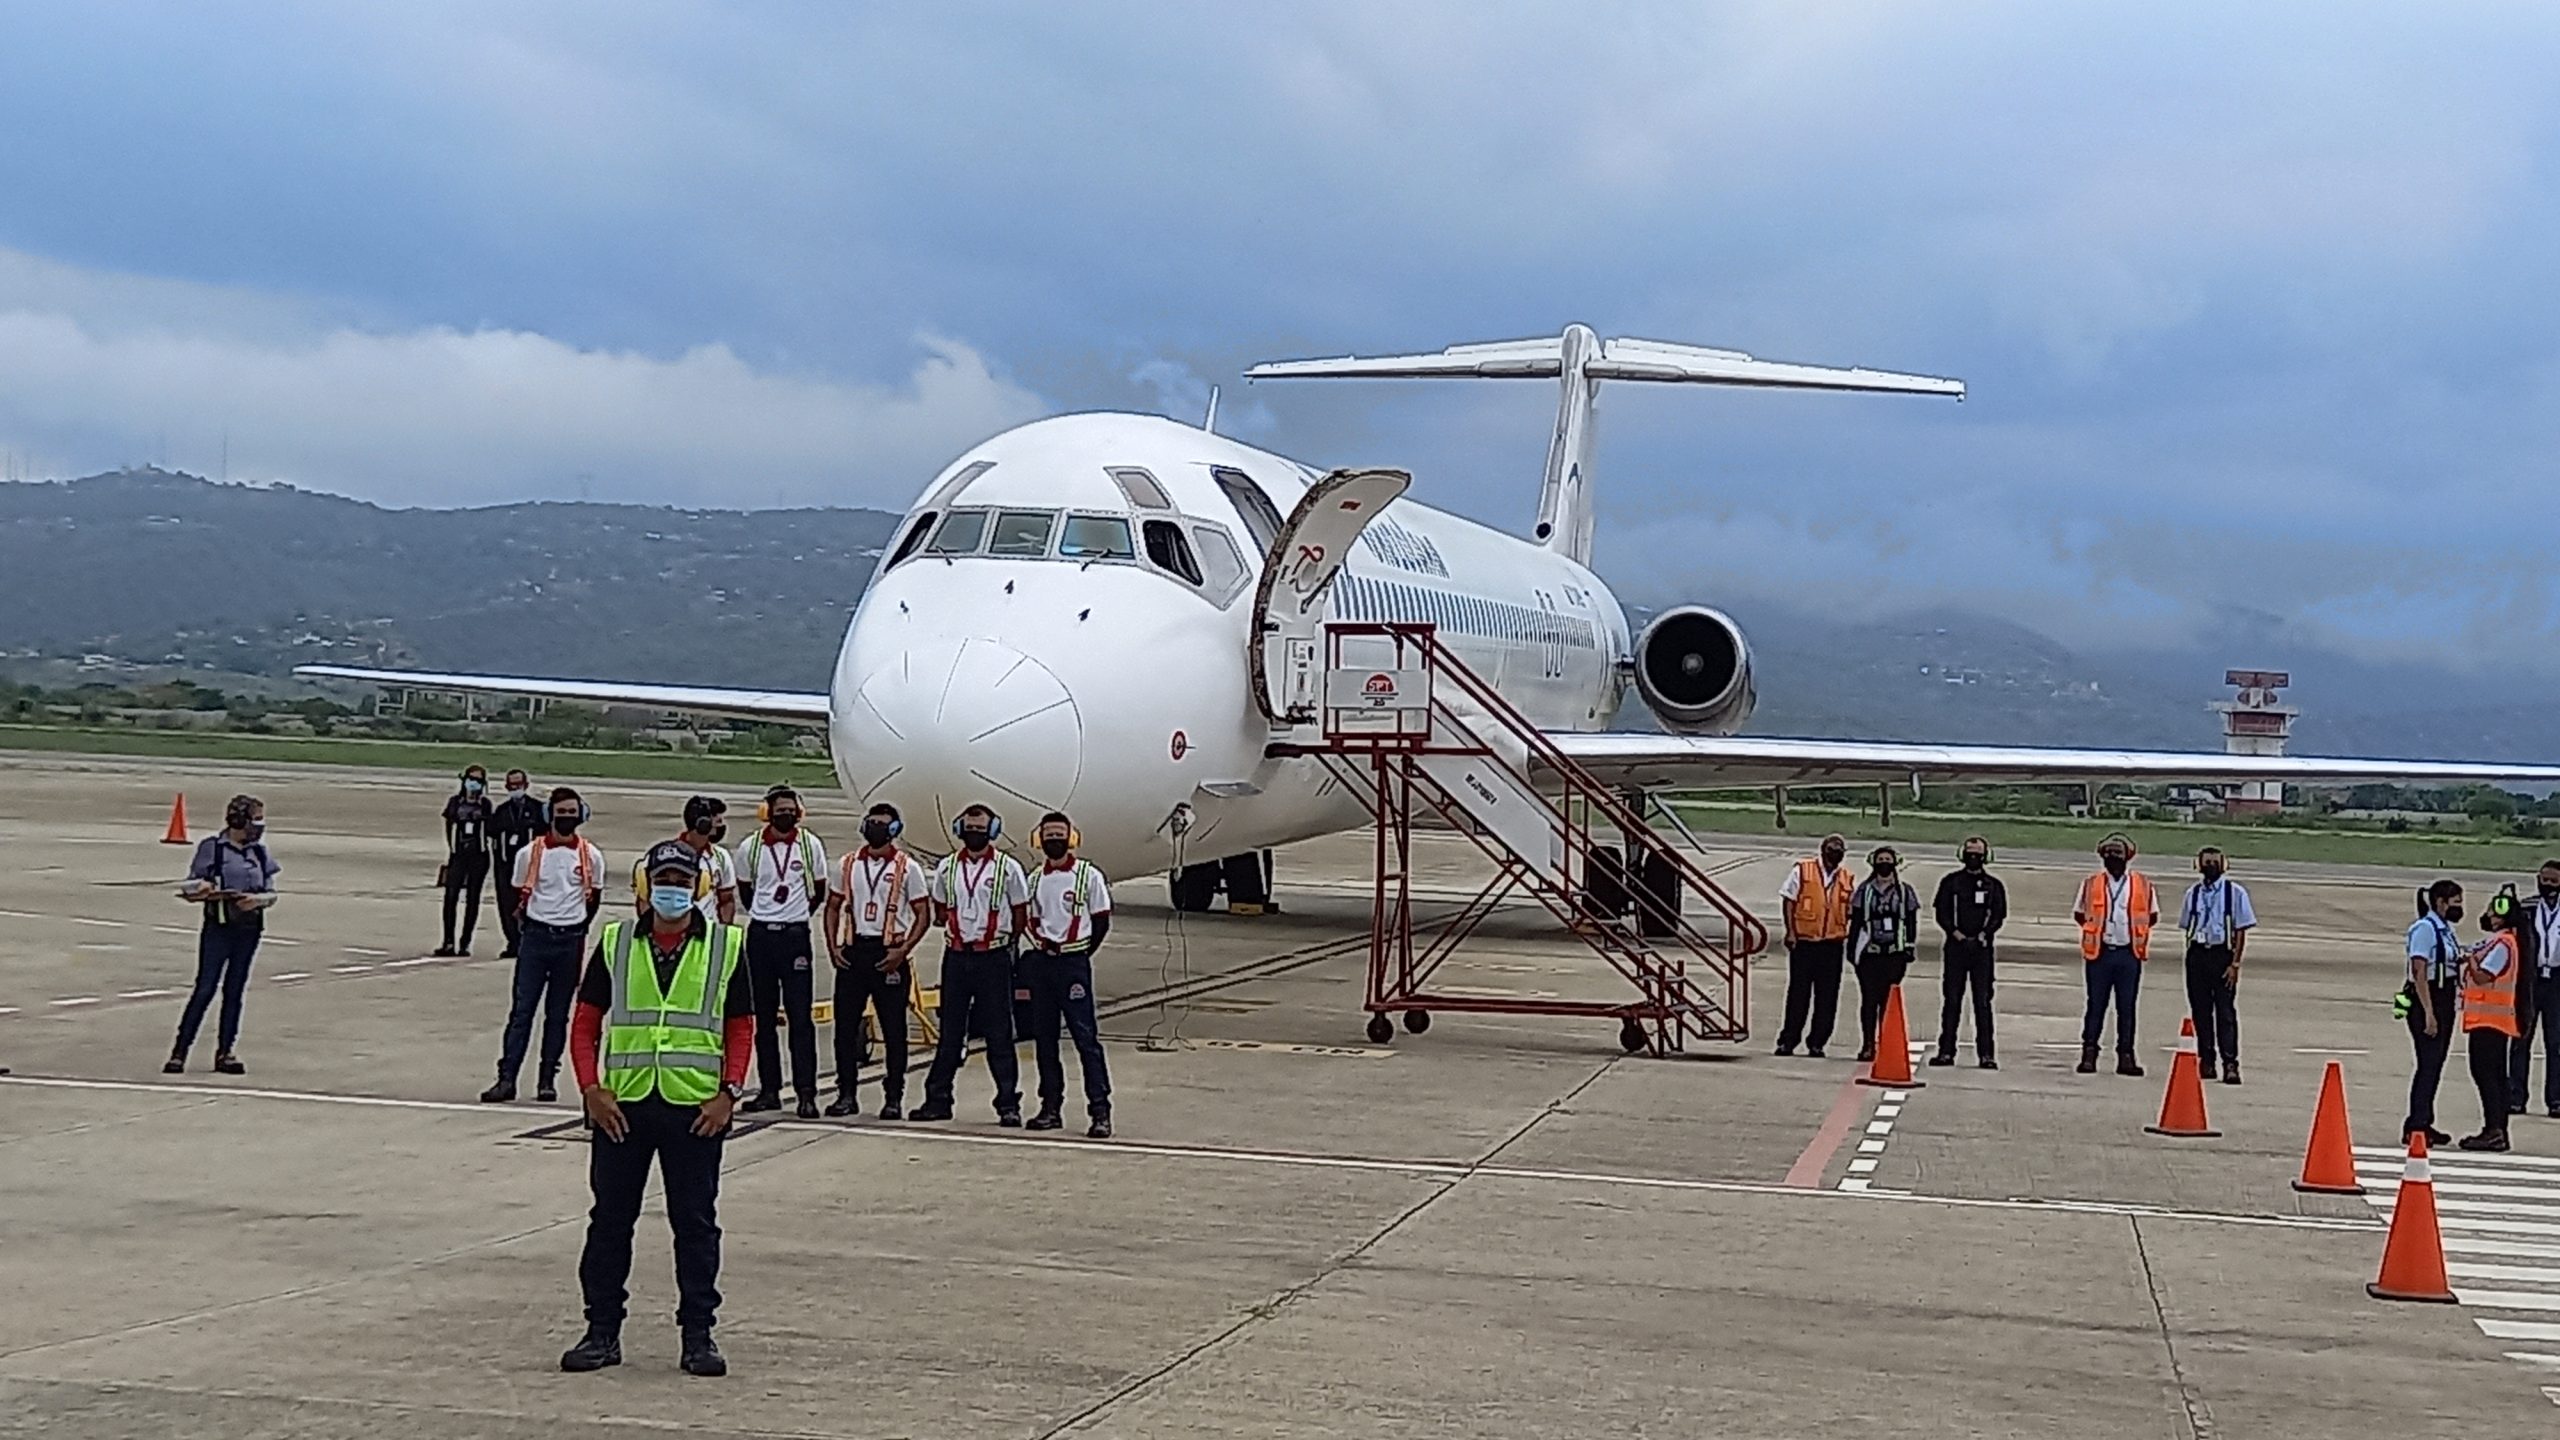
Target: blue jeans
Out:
[2115,975]
[223,953]
[546,978]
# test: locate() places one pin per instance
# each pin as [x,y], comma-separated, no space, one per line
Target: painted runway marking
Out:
[2326,1050]
[77,1000]
[2492,1228]
[288,976]
[173,930]
[101,924]
[360,950]
[143,994]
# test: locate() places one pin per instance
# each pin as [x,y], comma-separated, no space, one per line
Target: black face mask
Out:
[1976,862]
[1831,859]
[719,832]
[1884,872]
[1054,847]
[975,839]
[2211,873]
[877,833]
[567,822]
[2550,892]
[2115,863]
[786,821]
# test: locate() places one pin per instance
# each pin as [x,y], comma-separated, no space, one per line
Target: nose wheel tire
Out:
[1381,1030]
[1631,1037]
[1417,1021]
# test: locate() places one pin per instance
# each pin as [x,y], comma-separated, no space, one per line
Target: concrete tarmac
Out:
[1503,1227]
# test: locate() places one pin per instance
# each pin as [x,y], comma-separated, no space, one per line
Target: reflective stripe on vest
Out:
[999,916]
[2490,1004]
[894,912]
[2137,913]
[1079,900]
[666,1042]
[1821,912]
[806,844]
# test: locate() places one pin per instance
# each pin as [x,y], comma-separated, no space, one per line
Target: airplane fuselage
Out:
[1062,621]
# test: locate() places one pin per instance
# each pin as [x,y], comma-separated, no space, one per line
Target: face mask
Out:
[975,839]
[473,787]
[876,833]
[2452,912]
[2551,891]
[1832,858]
[2115,863]
[719,832]
[2212,873]
[1884,872]
[567,824]
[515,792]
[671,901]
[786,821]
[256,830]
[1055,847]
[1975,862]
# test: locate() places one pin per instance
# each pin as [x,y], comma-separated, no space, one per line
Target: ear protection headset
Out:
[585,814]
[995,823]
[1972,840]
[2503,904]
[1882,853]
[2121,838]
[897,824]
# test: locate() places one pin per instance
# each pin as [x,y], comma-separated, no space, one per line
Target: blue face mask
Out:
[671,901]
[473,787]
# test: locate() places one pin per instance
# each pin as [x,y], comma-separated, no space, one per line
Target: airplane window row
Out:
[1360,597]
[1199,553]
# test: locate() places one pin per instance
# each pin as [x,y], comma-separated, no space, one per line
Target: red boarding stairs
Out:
[1417,733]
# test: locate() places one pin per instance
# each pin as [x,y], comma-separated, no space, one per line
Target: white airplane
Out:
[1075,615]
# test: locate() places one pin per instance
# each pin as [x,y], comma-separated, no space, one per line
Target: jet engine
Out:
[1693,669]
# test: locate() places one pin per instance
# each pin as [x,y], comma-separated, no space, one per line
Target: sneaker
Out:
[845,1105]
[890,1111]
[1814,1051]
[1866,1053]
[2088,1061]
[1943,1058]
[1785,1050]
[702,1356]
[2493,1141]
[178,1066]
[229,1064]
[1986,1063]
[1009,1119]
[2127,1065]
[2437,1137]
[499,1094]
[807,1108]
[1100,1129]
[2204,1070]
[2231,1073]
[599,1348]
[929,1111]
[1047,1119]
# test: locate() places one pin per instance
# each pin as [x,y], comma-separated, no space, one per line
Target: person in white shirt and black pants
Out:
[2217,917]
[554,891]
[2538,998]
[2432,1000]
[890,895]
[782,880]
[1070,915]
[983,902]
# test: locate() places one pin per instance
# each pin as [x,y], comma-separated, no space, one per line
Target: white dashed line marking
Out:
[156,994]
[2326,1050]
[1862,1167]
[348,969]
[76,1000]
[1879,1127]
[101,924]
[1870,1147]
[404,964]
[289,975]
[360,950]
[2526,1305]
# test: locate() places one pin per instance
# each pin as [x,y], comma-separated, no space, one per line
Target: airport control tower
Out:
[2257,722]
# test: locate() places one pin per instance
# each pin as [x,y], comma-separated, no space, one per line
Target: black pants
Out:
[977,991]
[1813,981]
[618,1173]
[2431,1051]
[223,953]
[1968,968]
[2215,1003]
[2114,977]
[1878,972]
[778,960]
[546,980]
[1062,990]
[502,879]
[464,872]
[2538,1014]
[2489,1076]
[862,980]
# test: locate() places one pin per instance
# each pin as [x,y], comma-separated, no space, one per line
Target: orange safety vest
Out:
[587,879]
[2138,909]
[1821,912]
[2490,1002]
[894,914]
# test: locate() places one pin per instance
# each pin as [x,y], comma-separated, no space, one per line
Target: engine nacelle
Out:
[1693,669]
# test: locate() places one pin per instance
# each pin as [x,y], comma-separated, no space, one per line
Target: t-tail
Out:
[1578,360]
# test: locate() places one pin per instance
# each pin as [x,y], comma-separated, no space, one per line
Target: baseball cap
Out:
[669,855]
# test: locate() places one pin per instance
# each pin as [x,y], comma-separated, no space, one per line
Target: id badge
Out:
[871,912]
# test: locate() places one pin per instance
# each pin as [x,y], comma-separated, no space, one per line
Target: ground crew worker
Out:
[705,825]
[466,856]
[2490,972]
[1884,928]
[517,822]
[555,887]
[2115,913]
[1070,915]
[2538,998]
[782,881]
[2217,918]
[2428,1000]
[666,1000]
[1971,906]
[234,879]
[983,902]
[889,896]
[1813,903]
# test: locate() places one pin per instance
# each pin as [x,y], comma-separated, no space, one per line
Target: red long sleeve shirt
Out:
[595,997]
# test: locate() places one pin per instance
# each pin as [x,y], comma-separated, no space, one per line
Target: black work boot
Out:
[844,1105]
[499,1094]
[701,1356]
[178,1065]
[1946,1056]
[549,1089]
[2127,1065]
[1009,1119]
[1100,1129]
[930,1112]
[889,1109]
[2230,1072]
[601,1346]
[1047,1119]
[2088,1060]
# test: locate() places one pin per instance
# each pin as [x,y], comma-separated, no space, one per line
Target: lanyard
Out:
[874,883]
[782,875]
[967,885]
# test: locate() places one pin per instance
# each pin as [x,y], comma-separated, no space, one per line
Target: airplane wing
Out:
[778,707]
[1645,761]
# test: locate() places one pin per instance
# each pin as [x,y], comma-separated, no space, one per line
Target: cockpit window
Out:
[1141,488]
[949,490]
[1220,562]
[1096,537]
[1261,518]
[1170,552]
[1022,532]
[915,537]
[962,532]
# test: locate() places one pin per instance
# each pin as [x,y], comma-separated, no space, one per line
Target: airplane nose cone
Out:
[939,729]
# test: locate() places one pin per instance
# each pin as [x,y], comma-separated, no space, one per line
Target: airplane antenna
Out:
[1209,422]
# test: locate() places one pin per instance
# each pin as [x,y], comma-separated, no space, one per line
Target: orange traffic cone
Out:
[2182,1108]
[177,822]
[2329,1166]
[1892,1065]
[2413,1258]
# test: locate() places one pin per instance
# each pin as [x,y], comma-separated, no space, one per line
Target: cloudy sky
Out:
[2260,309]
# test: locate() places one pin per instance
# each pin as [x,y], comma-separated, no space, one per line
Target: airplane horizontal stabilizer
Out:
[778,707]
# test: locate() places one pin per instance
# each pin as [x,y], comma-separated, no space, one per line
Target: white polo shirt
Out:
[561,878]
[782,877]
[1056,909]
[2117,927]
[716,881]
[981,894]
[868,883]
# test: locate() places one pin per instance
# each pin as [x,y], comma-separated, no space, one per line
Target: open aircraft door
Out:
[1289,606]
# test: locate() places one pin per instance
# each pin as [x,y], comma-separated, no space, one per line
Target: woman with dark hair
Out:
[234,879]
[467,817]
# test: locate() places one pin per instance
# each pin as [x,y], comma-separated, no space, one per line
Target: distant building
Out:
[2255,722]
